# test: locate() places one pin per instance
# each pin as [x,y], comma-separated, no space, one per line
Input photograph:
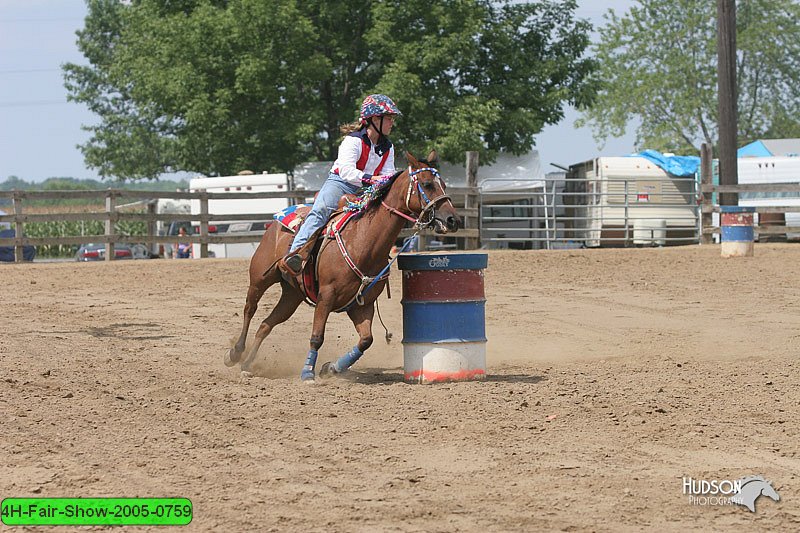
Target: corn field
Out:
[75,229]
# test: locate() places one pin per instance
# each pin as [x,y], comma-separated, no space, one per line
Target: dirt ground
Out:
[613,374]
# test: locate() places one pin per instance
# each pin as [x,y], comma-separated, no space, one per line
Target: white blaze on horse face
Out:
[444,191]
[427,205]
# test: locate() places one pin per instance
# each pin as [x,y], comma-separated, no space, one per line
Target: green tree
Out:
[657,67]
[14,182]
[216,86]
[478,76]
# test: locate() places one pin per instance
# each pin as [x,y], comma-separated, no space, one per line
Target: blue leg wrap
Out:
[308,369]
[347,360]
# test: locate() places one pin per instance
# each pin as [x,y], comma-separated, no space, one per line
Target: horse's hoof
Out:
[307,376]
[327,371]
[246,375]
[232,357]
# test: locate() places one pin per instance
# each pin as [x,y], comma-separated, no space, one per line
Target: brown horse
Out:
[343,272]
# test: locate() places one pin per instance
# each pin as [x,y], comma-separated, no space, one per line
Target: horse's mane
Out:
[370,196]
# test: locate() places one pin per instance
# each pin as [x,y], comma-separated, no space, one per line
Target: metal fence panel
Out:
[577,213]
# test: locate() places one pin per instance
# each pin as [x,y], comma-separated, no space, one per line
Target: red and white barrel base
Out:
[444,330]
[457,361]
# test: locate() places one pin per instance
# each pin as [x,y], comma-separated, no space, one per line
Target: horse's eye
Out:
[429,186]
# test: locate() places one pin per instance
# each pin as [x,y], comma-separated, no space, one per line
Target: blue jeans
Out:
[325,204]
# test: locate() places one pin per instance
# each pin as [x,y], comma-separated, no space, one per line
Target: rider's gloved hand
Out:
[369,179]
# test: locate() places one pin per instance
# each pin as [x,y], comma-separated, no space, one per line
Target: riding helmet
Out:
[376,105]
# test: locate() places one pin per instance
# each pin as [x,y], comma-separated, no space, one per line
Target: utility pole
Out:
[726,80]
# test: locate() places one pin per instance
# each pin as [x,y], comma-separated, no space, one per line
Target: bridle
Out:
[426,215]
[425,218]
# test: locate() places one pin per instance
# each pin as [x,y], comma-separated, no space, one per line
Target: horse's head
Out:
[426,196]
[768,490]
[752,487]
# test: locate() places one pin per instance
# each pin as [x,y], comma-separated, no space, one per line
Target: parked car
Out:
[97,252]
[7,252]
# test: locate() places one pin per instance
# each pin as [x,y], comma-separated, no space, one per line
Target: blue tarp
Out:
[678,165]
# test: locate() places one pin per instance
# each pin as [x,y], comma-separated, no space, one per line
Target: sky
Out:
[40,130]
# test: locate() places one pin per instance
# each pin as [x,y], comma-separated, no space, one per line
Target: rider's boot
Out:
[292,263]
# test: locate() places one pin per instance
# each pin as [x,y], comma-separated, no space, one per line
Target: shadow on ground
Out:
[370,376]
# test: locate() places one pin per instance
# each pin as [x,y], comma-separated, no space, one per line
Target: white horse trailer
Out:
[623,201]
[262,209]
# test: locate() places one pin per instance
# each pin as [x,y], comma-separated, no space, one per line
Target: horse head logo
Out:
[752,488]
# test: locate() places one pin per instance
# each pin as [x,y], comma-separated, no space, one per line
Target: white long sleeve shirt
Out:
[351,152]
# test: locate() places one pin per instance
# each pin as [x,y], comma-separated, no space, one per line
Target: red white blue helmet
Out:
[377,104]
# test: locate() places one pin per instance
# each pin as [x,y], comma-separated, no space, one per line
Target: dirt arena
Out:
[613,374]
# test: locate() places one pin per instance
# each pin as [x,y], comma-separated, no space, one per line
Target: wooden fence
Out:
[709,206]
[466,200]
[462,199]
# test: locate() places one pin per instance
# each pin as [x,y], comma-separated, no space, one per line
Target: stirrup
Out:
[293,264]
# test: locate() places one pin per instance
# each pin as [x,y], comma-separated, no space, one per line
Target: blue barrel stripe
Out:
[737,233]
[736,209]
[442,261]
[443,322]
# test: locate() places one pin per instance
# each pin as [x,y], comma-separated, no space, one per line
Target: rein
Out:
[428,207]
[366,281]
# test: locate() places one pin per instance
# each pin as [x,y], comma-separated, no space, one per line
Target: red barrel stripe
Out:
[443,285]
[736,219]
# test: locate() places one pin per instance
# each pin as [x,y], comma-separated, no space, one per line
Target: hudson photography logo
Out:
[744,491]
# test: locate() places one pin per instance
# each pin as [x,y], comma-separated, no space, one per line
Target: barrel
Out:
[444,321]
[736,224]
[771,220]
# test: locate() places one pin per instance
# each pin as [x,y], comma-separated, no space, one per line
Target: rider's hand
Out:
[373,180]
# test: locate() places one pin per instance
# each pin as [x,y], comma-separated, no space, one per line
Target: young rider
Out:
[365,151]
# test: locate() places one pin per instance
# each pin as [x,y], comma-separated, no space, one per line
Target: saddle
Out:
[293,216]
[291,219]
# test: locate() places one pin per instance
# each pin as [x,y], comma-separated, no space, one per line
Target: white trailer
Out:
[262,209]
[619,201]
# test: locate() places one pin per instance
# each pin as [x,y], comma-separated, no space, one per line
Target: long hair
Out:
[347,129]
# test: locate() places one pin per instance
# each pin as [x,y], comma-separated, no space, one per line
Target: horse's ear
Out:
[433,158]
[411,159]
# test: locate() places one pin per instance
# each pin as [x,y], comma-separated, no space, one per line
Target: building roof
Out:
[771,148]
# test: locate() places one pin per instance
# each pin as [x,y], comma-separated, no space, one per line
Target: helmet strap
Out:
[379,129]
